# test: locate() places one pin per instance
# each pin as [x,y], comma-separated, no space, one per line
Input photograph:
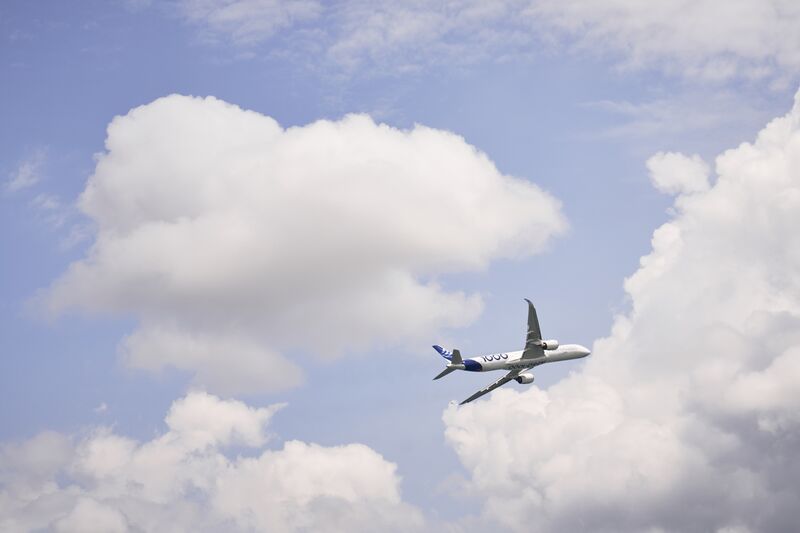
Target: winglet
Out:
[534,333]
[533,340]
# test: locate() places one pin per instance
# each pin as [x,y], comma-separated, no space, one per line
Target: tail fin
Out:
[444,353]
[454,357]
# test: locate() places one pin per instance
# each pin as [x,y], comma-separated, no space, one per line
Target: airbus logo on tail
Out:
[444,353]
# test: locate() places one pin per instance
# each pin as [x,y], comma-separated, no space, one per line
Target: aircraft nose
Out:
[585,351]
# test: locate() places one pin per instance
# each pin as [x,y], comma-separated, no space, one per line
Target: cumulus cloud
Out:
[89,516]
[182,480]
[232,239]
[674,173]
[686,417]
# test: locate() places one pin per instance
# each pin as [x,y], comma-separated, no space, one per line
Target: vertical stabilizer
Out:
[444,353]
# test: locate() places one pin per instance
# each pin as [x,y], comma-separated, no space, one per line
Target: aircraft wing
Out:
[499,383]
[533,342]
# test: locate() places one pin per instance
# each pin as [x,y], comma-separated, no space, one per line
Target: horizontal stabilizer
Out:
[444,372]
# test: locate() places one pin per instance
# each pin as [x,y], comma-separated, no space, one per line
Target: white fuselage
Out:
[514,361]
[538,351]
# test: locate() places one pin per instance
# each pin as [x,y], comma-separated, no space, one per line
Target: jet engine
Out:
[550,344]
[524,378]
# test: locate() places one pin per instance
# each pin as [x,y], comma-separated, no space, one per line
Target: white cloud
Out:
[182,480]
[706,39]
[51,210]
[232,239]
[28,172]
[686,417]
[674,173]
[209,356]
[389,36]
[248,21]
[690,113]
[346,488]
[205,420]
[753,39]
[34,462]
[89,516]
[401,36]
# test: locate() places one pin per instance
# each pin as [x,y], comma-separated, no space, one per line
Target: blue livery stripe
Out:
[444,353]
[472,366]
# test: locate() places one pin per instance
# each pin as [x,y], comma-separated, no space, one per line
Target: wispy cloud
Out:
[247,22]
[705,40]
[62,218]
[28,173]
[676,114]
[639,119]
[51,209]
[749,39]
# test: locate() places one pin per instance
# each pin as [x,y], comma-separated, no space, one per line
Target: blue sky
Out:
[568,101]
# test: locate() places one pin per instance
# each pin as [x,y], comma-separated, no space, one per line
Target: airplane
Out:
[537,352]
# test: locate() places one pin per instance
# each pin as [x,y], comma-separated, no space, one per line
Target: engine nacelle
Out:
[524,378]
[549,344]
